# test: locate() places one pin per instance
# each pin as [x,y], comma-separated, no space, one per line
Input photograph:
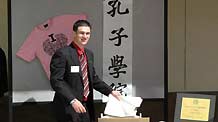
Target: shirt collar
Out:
[79,50]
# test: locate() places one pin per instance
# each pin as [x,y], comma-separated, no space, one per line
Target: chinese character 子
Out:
[116,65]
[119,36]
[120,87]
[115,4]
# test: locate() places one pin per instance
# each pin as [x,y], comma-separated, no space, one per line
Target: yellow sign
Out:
[195,109]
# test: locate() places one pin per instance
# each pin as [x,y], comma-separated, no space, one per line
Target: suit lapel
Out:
[75,58]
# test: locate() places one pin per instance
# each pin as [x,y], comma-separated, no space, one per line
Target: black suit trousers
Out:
[73,116]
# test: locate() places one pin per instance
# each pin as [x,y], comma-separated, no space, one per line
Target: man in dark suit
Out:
[73,78]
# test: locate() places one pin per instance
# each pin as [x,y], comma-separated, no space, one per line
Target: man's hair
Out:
[79,23]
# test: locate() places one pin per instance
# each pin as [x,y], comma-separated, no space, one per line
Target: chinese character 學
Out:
[118,36]
[115,4]
[117,65]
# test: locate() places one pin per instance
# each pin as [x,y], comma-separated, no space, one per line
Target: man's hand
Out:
[78,107]
[116,94]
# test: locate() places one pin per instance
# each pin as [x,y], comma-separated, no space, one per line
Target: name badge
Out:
[74,69]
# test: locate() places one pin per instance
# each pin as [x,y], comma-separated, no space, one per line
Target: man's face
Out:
[82,35]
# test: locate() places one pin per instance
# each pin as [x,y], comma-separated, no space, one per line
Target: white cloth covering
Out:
[126,107]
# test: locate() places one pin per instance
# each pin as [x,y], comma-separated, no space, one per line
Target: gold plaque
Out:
[195,109]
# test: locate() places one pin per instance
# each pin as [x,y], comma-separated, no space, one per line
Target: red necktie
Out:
[84,65]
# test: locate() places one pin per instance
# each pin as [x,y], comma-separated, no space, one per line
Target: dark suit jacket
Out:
[68,85]
[3,73]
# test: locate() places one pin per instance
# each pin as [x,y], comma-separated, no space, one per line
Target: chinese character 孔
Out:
[115,4]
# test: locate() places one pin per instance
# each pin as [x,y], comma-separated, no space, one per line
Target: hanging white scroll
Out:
[118,45]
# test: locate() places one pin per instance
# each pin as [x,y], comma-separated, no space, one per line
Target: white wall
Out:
[148,41]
